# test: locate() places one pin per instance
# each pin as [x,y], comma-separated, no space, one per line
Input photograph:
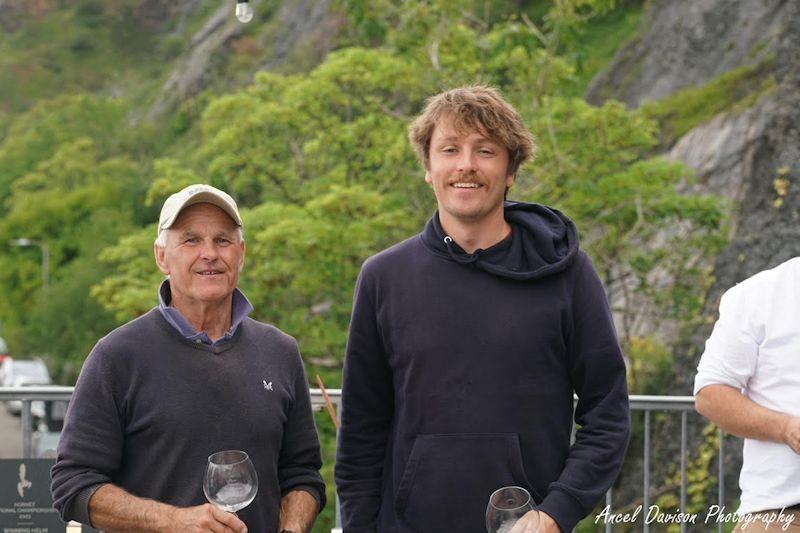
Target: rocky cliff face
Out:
[194,70]
[304,24]
[690,42]
[14,14]
[307,25]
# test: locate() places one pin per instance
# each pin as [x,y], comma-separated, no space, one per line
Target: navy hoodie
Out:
[459,379]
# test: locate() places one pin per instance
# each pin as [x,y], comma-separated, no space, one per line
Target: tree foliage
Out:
[34,136]
[645,236]
[74,203]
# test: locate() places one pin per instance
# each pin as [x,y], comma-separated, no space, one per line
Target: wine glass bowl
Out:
[230,481]
[506,506]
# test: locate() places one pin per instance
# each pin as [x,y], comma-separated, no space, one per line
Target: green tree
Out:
[303,262]
[34,136]
[645,236]
[76,204]
[291,138]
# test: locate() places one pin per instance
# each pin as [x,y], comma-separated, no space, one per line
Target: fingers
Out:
[221,528]
[792,434]
[207,517]
[528,523]
[227,522]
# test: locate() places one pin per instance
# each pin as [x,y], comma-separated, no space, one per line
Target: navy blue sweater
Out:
[150,406]
[459,379]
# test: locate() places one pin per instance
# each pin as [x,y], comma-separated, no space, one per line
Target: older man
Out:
[191,377]
[467,343]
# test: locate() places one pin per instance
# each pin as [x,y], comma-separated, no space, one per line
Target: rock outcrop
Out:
[690,42]
[304,24]
[194,70]
[299,24]
[722,151]
[14,13]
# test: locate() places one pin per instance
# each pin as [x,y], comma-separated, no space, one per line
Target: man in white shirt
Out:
[748,383]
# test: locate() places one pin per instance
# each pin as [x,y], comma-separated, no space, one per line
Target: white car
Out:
[3,358]
[25,373]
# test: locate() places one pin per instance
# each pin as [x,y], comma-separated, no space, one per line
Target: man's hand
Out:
[535,522]
[205,518]
[791,433]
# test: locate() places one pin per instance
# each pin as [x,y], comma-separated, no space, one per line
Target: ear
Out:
[241,261]
[510,180]
[428,179]
[160,254]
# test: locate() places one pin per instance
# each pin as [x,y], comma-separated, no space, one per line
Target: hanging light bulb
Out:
[243,11]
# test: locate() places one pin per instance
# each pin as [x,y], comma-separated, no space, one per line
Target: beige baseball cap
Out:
[197,194]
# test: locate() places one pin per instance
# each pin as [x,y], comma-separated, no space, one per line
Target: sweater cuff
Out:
[563,508]
[80,504]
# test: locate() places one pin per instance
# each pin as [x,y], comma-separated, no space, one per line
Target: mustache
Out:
[470,177]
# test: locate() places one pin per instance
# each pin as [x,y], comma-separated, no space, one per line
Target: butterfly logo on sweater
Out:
[267,386]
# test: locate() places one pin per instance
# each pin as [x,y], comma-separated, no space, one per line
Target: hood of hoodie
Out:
[543,241]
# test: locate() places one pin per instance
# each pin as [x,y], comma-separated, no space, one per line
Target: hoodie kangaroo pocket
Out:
[448,480]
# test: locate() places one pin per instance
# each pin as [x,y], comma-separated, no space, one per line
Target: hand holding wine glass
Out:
[510,511]
[230,482]
[206,517]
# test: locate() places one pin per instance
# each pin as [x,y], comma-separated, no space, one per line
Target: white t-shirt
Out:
[755,347]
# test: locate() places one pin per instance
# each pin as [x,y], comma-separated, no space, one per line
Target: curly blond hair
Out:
[479,108]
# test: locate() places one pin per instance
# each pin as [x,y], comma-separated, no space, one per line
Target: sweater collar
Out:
[240,309]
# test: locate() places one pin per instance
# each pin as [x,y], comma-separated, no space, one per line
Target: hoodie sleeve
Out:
[597,371]
[367,408]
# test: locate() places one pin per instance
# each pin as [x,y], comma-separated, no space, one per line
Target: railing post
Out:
[338,511]
[646,500]
[721,475]
[27,428]
[683,468]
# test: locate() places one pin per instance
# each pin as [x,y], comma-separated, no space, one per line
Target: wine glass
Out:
[506,506]
[230,482]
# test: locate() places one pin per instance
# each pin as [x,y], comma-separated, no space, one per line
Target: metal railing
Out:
[59,393]
[28,395]
[644,404]
[684,405]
